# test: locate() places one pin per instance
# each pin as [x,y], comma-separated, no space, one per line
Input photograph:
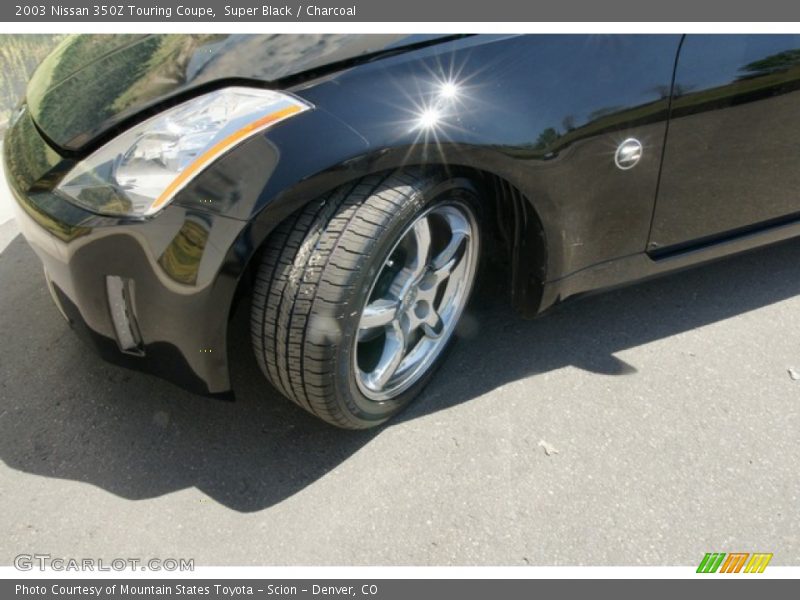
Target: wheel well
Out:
[523,245]
[519,256]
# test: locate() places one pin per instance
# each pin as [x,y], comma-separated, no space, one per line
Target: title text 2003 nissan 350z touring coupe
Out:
[350,187]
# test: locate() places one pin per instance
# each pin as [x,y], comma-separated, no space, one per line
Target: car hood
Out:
[90,84]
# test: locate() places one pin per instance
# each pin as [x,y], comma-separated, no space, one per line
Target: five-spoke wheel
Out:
[416,300]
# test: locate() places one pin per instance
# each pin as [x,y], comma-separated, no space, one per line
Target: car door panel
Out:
[730,159]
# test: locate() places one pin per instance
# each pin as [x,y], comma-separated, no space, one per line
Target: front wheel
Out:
[359,293]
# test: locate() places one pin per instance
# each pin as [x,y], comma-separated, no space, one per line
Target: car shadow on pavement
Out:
[66,414]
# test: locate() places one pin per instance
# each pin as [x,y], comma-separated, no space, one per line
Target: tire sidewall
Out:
[432,190]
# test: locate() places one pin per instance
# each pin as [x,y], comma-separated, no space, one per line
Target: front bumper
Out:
[164,279]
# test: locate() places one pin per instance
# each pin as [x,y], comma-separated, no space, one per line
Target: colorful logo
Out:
[733,562]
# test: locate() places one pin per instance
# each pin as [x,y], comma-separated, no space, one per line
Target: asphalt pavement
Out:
[643,426]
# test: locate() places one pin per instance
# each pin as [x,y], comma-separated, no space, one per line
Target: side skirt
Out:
[641,266]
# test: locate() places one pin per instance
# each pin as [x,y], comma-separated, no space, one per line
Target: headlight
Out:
[138,173]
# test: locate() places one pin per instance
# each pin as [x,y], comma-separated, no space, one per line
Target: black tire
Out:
[316,270]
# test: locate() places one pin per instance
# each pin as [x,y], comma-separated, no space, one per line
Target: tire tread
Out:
[307,272]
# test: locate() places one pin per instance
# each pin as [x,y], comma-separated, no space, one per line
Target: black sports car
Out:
[351,188]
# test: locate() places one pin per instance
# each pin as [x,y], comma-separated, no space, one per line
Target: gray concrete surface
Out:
[676,423]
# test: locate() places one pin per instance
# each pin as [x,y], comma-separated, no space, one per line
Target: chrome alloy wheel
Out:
[416,300]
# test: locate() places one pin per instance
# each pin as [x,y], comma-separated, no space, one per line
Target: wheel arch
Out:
[513,218]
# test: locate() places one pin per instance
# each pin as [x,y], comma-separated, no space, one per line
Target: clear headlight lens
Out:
[138,173]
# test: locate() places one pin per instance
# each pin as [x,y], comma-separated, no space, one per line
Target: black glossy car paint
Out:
[731,156]
[541,116]
[117,78]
